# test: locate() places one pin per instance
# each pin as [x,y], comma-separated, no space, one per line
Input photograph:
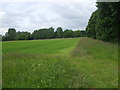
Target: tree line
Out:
[104,22]
[45,33]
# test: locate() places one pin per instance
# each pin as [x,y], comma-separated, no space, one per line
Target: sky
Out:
[30,15]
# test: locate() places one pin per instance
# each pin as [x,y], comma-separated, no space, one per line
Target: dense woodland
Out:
[45,33]
[104,22]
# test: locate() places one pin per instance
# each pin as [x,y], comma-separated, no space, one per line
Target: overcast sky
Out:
[24,15]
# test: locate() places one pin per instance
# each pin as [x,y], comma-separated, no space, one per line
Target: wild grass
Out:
[60,63]
[0,64]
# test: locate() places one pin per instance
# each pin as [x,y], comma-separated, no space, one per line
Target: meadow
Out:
[59,63]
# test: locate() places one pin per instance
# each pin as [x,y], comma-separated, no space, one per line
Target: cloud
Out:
[3,31]
[44,0]
[29,16]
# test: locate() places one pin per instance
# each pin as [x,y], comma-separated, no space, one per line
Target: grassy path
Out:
[98,61]
[60,63]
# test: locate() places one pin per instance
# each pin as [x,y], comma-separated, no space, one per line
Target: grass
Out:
[40,46]
[0,64]
[60,63]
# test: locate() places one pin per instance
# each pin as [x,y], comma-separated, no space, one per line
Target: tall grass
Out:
[63,63]
[0,63]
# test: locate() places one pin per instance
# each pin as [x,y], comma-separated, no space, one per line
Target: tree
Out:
[0,37]
[104,22]
[77,33]
[91,27]
[11,34]
[23,36]
[36,34]
[68,33]
[51,32]
[59,32]
[83,33]
[43,33]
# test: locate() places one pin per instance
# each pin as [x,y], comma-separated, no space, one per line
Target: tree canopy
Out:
[45,33]
[104,22]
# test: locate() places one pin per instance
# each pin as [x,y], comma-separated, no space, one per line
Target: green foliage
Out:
[40,34]
[68,33]
[59,32]
[45,33]
[104,22]
[5,38]
[51,32]
[23,36]
[0,37]
[11,34]
[77,33]
[83,33]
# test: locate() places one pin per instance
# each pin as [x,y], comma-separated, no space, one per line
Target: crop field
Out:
[59,63]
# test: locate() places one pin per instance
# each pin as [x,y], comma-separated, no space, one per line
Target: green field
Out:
[60,63]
